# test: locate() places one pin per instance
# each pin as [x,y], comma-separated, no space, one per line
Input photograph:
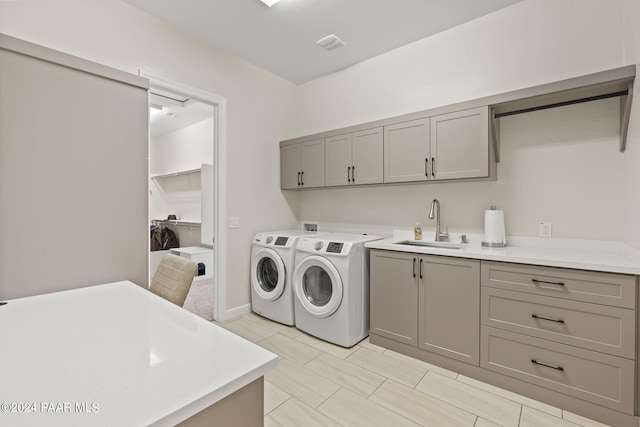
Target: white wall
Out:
[631,223]
[532,42]
[260,105]
[560,165]
[184,149]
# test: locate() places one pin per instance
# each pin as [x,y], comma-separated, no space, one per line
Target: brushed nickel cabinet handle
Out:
[557,368]
[535,316]
[536,281]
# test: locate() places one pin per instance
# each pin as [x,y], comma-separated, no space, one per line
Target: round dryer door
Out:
[267,274]
[318,286]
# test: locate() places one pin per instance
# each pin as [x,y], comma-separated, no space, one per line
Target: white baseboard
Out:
[237,311]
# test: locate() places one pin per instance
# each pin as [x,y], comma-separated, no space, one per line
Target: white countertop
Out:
[130,357]
[604,256]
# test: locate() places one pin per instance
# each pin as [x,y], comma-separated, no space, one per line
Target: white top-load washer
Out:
[331,287]
[272,264]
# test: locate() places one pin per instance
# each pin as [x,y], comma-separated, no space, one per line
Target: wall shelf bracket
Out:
[625,113]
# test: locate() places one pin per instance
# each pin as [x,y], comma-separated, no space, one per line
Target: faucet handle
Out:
[463,238]
[445,235]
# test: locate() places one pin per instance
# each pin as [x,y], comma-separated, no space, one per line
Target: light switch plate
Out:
[234,222]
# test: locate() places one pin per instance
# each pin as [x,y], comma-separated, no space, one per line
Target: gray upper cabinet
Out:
[302,165]
[354,158]
[447,146]
[460,144]
[406,151]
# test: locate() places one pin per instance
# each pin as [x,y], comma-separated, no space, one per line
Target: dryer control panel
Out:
[321,246]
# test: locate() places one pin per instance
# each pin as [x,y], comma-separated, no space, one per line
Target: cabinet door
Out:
[406,151]
[460,144]
[449,312]
[367,155]
[290,166]
[394,296]
[338,163]
[312,161]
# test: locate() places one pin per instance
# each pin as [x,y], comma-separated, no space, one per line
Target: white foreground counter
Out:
[116,355]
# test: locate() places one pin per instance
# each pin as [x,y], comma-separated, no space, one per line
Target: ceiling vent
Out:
[330,42]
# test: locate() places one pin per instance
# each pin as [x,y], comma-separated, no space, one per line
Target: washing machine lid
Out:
[318,286]
[268,274]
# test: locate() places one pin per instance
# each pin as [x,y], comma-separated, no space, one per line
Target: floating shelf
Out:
[177,222]
[177,173]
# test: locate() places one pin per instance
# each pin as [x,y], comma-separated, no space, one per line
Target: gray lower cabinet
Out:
[562,336]
[449,307]
[429,302]
[567,330]
[394,295]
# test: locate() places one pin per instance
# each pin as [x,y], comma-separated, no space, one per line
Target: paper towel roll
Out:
[494,234]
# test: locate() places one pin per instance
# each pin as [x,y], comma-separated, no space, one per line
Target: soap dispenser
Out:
[417,232]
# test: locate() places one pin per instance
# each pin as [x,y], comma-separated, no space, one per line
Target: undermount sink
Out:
[439,245]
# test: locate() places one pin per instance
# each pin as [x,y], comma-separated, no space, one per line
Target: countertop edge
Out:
[217,395]
[488,254]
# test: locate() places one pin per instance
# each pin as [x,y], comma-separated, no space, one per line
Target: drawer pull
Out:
[535,316]
[544,281]
[557,368]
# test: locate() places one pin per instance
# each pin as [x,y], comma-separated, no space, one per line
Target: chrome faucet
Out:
[435,209]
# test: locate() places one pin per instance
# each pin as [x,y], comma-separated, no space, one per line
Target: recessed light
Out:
[269,2]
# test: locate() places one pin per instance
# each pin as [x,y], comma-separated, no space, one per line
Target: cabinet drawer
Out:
[618,290]
[591,326]
[595,377]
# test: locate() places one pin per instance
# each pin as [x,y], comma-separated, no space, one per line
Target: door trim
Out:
[219,105]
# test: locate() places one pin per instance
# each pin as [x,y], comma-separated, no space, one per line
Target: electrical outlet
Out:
[234,222]
[545,229]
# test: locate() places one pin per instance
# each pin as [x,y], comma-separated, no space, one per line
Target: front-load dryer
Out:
[272,264]
[331,287]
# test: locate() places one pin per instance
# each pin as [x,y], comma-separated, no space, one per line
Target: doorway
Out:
[187,186]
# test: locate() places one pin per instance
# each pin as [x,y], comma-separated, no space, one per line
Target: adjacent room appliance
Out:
[272,264]
[331,286]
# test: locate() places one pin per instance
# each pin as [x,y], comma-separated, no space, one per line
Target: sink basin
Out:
[439,245]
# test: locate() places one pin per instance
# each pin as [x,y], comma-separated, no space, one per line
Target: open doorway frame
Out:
[219,142]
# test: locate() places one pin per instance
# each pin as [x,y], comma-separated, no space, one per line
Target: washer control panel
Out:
[281,241]
[334,247]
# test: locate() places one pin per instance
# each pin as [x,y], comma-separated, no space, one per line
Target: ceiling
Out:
[177,112]
[282,39]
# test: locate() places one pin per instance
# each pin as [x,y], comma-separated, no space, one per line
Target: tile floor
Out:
[320,384]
